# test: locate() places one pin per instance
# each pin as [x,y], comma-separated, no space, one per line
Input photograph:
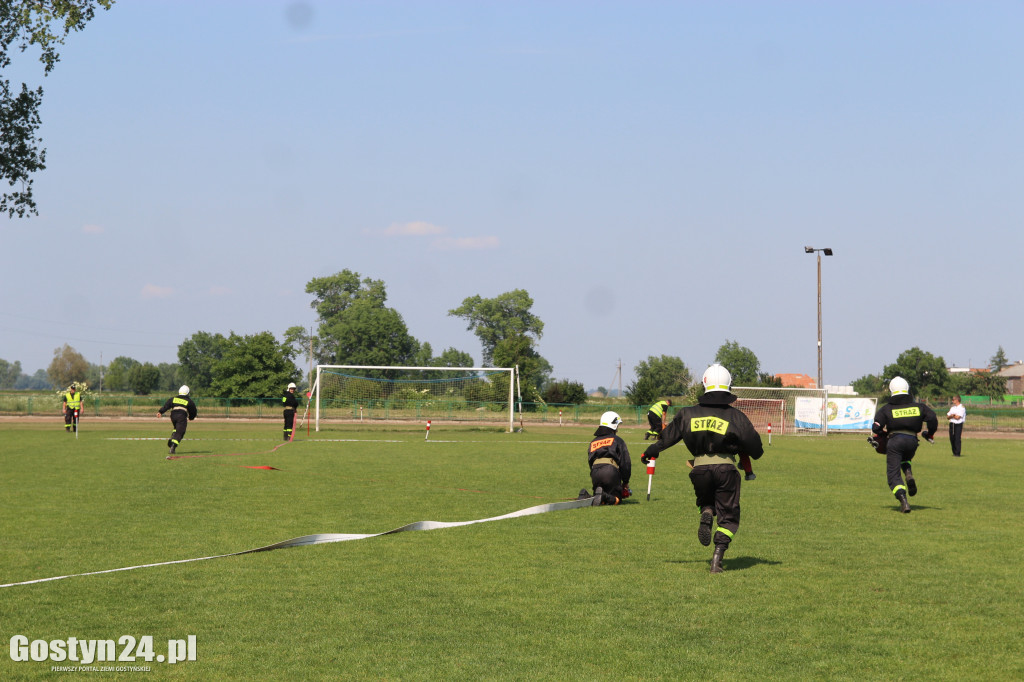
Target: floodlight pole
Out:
[828,252]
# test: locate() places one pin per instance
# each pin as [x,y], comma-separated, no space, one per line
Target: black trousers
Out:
[955,430]
[289,421]
[718,486]
[608,478]
[898,452]
[655,421]
[69,420]
[179,419]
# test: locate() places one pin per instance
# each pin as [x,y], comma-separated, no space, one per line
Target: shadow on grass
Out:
[737,563]
[913,508]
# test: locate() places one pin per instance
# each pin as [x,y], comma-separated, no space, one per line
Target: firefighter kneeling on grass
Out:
[610,465]
[714,432]
[183,410]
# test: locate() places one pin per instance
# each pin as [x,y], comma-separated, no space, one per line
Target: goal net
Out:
[788,410]
[383,393]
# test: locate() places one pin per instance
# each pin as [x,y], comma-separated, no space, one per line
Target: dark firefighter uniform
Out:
[291,403]
[900,420]
[72,405]
[610,466]
[656,418]
[715,433]
[183,410]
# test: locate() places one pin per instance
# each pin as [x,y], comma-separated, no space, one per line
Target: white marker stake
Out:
[427,437]
[74,420]
[769,433]
[650,476]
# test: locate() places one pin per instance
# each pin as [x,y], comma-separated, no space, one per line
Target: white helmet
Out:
[611,420]
[183,390]
[717,378]
[899,386]
[292,385]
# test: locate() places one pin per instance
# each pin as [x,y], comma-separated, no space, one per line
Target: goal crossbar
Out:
[407,393]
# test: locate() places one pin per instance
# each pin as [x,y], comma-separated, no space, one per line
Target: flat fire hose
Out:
[324,538]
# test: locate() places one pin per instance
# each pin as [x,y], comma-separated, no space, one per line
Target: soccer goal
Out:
[387,393]
[788,410]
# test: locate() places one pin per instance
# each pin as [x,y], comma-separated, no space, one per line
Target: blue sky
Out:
[648,171]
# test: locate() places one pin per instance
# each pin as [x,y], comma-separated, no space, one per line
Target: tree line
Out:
[355,326]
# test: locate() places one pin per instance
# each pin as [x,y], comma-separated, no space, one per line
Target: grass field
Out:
[825,580]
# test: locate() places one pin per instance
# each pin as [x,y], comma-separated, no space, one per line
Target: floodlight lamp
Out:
[808,249]
[827,252]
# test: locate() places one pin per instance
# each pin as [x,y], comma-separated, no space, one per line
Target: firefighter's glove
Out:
[930,437]
[645,458]
[626,492]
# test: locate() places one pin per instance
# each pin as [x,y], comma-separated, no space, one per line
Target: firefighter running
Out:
[714,432]
[183,410]
[899,421]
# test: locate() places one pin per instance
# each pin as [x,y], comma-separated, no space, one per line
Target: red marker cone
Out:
[650,476]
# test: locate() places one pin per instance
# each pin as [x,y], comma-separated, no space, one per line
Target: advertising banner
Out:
[844,414]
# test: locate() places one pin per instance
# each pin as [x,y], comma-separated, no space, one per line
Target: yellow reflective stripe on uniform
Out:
[180,401]
[713,424]
[906,412]
[899,488]
[726,532]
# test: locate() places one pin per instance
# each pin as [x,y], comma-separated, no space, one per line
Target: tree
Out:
[9,373]
[369,334]
[168,377]
[926,373]
[534,370]
[451,357]
[37,381]
[740,361]
[143,379]
[565,392]
[978,383]
[43,23]
[356,328]
[197,356]
[118,372]
[998,361]
[869,384]
[67,365]
[660,377]
[493,320]
[253,366]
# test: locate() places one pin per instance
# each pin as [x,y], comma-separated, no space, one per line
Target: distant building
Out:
[965,370]
[797,381]
[1014,378]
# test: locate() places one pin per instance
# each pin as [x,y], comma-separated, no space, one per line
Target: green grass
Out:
[825,580]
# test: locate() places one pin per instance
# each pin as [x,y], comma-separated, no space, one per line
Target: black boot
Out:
[911,483]
[173,448]
[904,504]
[716,559]
[598,498]
[704,529]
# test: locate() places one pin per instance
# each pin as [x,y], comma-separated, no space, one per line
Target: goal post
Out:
[800,411]
[396,393]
